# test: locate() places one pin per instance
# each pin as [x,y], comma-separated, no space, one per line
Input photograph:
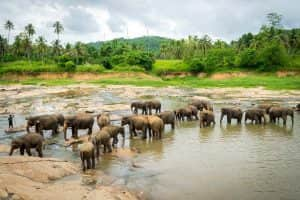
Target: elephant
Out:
[155,126]
[256,115]
[194,111]
[114,131]
[207,118]
[60,119]
[201,104]
[135,106]
[26,142]
[46,122]
[99,138]
[281,112]
[266,107]
[153,104]
[181,113]
[235,113]
[87,155]
[79,121]
[168,117]
[103,120]
[136,122]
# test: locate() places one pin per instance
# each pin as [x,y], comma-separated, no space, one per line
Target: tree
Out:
[8,26]
[58,28]
[274,20]
[30,30]
[41,46]
[3,44]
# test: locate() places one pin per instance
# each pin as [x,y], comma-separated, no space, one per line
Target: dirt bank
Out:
[37,178]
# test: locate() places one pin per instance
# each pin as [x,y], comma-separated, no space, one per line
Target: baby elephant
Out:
[207,117]
[87,155]
[103,120]
[26,142]
[114,131]
[101,138]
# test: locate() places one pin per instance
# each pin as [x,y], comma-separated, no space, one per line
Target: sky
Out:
[98,20]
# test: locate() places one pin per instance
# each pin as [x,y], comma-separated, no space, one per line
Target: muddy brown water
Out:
[222,162]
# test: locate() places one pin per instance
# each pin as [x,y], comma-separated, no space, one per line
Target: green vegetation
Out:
[273,48]
[269,81]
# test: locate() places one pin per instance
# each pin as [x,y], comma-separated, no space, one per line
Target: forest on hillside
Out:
[271,49]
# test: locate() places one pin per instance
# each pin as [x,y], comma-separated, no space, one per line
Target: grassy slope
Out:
[270,80]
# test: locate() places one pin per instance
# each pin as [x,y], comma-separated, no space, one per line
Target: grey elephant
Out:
[135,106]
[266,107]
[99,138]
[76,122]
[103,120]
[136,122]
[194,111]
[155,126]
[153,104]
[255,115]
[183,113]
[281,112]
[114,131]
[231,113]
[201,104]
[87,155]
[27,142]
[44,122]
[207,118]
[168,117]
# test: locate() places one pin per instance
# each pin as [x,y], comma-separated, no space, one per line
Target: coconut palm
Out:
[30,30]
[58,28]
[41,46]
[8,26]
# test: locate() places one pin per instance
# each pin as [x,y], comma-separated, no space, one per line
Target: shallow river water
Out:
[222,162]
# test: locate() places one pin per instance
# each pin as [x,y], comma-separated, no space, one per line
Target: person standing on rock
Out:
[10,121]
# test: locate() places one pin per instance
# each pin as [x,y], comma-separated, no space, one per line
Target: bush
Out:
[248,59]
[272,57]
[142,59]
[69,66]
[219,58]
[90,68]
[196,65]
[106,63]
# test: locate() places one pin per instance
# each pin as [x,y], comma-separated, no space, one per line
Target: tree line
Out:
[268,50]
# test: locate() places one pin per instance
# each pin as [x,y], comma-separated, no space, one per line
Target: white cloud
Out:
[90,20]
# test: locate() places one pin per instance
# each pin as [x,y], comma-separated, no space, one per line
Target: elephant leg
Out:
[90,130]
[22,149]
[145,133]
[221,118]
[173,125]
[284,119]
[39,150]
[88,160]
[76,133]
[93,159]
[228,119]
[83,164]
[104,148]
[98,150]
[109,147]
[28,151]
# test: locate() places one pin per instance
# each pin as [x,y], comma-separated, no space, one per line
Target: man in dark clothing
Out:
[10,121]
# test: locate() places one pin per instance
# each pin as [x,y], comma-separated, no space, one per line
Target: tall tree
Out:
[274,20]
[41,46]
[8,26]
[58,28]
[30,30]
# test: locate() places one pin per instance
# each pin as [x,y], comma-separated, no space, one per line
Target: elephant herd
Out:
[145,123]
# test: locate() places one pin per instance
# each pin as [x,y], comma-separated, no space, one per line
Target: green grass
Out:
[164,66]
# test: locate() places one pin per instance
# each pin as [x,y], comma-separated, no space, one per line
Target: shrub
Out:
[219,58]
[248,59]
[142,59]
[196,65]
[69,66]
[272,57]
[106,63]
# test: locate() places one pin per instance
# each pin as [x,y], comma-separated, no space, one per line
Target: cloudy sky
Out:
[93,20]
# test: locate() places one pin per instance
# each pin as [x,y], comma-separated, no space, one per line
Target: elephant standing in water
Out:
[114,131]
[87,155]
[79,121]
[136,122]
[99,138]
[103,120]
[256,115]
[267,107]
[153,104]
[43,122]
[26,142]
[183,113]
[155,126]
[168,117]
[207,118]
[135,106]
[201,104]
[231,113]
[281,112]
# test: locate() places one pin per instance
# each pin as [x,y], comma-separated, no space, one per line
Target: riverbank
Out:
[45,178]
[273,81]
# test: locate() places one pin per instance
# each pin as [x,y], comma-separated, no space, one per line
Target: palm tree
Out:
[56,48]
[3,44]
[58,28]
[30,30]
[41,46]
[8,26]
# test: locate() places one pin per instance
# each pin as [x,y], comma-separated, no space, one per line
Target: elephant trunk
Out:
[11,151]
[65,130]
